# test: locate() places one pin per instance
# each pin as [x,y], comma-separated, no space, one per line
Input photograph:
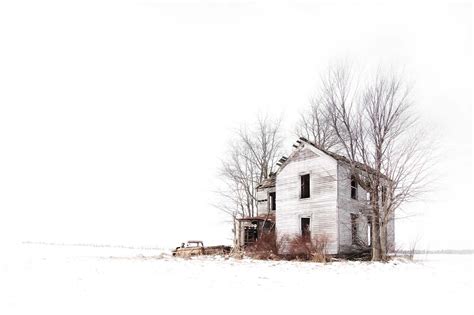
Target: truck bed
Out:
[205,250]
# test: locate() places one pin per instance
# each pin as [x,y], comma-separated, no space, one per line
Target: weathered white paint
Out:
[321,206]
[263,204]
[329,206]
[346,205]
[391,234]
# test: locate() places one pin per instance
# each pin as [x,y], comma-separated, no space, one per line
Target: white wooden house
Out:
[313,193]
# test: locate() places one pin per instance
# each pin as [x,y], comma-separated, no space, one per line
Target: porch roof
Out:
[258,218]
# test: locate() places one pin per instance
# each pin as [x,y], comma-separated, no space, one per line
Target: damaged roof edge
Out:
[270,182]
[267,182]
[258,218]
[361,166]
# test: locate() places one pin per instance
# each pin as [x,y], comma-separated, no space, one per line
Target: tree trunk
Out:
[376,246]
[236,231]
[376,252]
[383,241]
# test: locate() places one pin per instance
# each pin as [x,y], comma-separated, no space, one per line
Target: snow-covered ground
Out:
[46,279]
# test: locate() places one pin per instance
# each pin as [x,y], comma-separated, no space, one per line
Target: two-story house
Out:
[313,194]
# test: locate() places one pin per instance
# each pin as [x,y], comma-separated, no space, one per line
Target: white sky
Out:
[114,114]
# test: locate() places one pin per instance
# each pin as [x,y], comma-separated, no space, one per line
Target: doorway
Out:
[306,227]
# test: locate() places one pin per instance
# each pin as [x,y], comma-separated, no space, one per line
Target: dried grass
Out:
[306,248]
[268,247]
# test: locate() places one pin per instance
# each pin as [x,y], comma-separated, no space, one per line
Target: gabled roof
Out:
[271,181]
[341,158]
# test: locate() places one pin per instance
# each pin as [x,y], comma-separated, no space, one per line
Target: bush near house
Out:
[306,248]
[268,247]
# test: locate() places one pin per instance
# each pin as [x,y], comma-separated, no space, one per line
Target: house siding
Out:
[329,206]
[321,206]
[391,234]
[346,205]
[263,201]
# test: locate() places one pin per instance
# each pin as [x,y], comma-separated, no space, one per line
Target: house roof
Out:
[338,157]
[268,182]
[258,218]
[271,181]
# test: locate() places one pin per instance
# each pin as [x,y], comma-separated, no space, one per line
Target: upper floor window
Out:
[305,189]
[353,188]
[272,200]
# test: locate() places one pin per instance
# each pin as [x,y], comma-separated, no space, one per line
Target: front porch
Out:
[249,229]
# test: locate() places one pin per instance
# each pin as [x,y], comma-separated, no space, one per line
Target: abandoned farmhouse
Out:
[312,194]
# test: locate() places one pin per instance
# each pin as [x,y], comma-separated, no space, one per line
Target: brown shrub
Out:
[305,248]
[300,248]
[266,247]
[320,243]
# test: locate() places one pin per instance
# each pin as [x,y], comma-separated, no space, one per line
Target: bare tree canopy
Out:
[314,124]
[253,153]
[373,124]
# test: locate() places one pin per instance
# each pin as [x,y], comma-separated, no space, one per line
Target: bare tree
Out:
[253,153]
[314,124]
[374,125]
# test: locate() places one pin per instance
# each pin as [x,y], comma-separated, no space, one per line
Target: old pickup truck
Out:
[193,248]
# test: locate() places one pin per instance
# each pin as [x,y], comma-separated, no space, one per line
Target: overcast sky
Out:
[114,114]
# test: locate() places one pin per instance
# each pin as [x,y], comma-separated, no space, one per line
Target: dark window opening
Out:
[305,227]
[354,229]
[369,231]
[272,198]
[250,235]
[305,186]
[353,188]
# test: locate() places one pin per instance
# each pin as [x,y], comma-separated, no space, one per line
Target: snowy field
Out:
[46,279]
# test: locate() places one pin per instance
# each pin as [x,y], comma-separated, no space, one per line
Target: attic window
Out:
[353,188]
[305,186]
